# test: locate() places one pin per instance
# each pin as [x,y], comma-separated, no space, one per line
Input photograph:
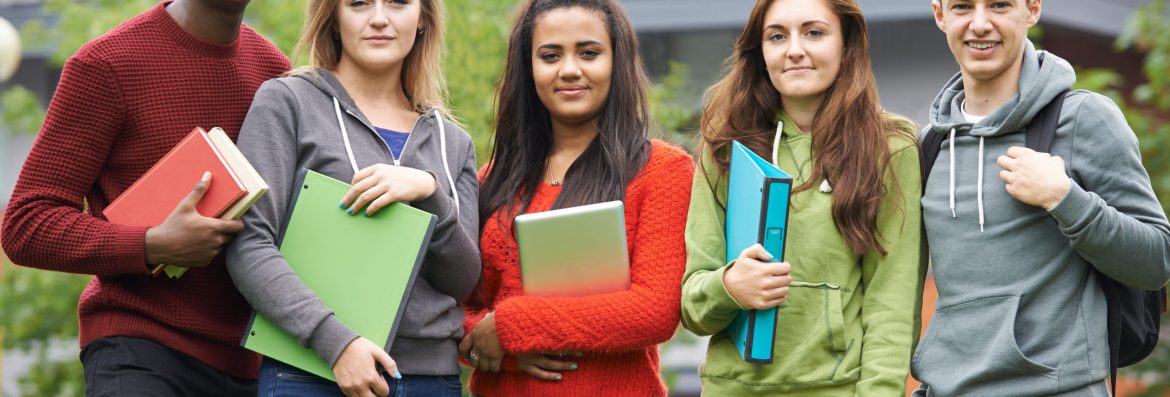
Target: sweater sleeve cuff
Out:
[437,202]
[130,249]
[716,291]
[330,339]
[1075,209]
[509,333]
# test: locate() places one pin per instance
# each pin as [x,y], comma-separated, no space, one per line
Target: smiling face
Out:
[572,63]
[802,46]
[986,36]
[377,34]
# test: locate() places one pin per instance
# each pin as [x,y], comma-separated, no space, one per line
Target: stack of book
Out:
[235,185]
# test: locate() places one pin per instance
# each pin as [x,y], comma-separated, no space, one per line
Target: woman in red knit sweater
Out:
[571,130]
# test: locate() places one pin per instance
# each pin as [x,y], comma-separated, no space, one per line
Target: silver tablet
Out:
[574,251]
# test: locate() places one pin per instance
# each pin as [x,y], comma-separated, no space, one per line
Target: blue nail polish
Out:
[557,378]
[397,375]
[341,205]
[572,367]
[367,212]
[349,211]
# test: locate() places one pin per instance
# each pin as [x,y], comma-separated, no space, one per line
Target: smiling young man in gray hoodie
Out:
[1013,233]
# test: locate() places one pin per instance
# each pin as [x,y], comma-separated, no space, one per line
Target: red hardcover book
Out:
[156,194]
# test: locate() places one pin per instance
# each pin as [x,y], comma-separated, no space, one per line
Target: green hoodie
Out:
[822,330]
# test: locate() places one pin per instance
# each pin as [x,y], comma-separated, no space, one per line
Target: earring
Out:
[420,31]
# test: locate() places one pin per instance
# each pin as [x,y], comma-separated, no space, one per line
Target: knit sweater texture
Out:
[124,100]
[618,332]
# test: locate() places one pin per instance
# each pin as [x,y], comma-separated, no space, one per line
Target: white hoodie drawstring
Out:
[442,150]
[345,135]
[776,144]
[979,187]
[443,154]
[952,191]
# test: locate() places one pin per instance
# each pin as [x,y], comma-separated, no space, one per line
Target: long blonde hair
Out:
[422,77]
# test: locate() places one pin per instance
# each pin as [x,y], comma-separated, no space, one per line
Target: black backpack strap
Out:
[1165,301]
[931,145]
[1042,130]
[1112,325]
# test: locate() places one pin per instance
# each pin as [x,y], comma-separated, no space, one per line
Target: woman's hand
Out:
[541,365]
[755,283]
[380,185]
[356,372]
[482,347]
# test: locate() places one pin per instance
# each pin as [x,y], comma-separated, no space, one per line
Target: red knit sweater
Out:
[124,100]
[618,332]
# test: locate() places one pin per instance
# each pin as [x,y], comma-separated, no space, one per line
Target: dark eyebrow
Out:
[579,44]
[806,24]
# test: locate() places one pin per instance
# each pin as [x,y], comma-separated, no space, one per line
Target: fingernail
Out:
[341,205]
[397,375]
[349,211]
[367,212]
[572,367]
[557,378]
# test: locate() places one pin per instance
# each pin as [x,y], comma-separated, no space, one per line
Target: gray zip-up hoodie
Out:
[1019,312]
[295,123]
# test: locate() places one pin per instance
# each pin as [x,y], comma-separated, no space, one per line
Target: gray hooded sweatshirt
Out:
[1019,312]
[294,124]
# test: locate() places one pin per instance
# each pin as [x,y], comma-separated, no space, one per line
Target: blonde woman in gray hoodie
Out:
[369,110]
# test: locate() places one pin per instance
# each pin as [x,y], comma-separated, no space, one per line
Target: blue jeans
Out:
[278,379]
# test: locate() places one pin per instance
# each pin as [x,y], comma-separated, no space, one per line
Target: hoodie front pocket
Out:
[971,349]
[811,343]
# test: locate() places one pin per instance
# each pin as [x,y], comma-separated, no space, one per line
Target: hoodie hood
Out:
[1043,77]
[343,104]
[328,83]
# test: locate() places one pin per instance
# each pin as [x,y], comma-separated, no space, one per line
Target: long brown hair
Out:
[422,77]
[850,138]
[523,139]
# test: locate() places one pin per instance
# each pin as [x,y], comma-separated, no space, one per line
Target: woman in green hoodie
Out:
[800,91]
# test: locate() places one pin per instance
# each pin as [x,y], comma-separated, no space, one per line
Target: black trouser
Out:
[125,366]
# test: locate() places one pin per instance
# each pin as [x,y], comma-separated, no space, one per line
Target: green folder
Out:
[361,267]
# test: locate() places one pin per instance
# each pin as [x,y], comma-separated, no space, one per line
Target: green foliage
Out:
[42,311]
[477,40]
[673,121]
[280,22]
[40,294]
[22,112]
[53,377]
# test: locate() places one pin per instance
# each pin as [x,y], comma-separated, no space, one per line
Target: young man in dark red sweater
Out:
[124,100]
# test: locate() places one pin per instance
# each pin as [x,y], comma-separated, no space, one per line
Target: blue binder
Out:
[757,212]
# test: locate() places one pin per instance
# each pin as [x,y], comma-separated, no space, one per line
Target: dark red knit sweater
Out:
[618,332]
[124,100]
